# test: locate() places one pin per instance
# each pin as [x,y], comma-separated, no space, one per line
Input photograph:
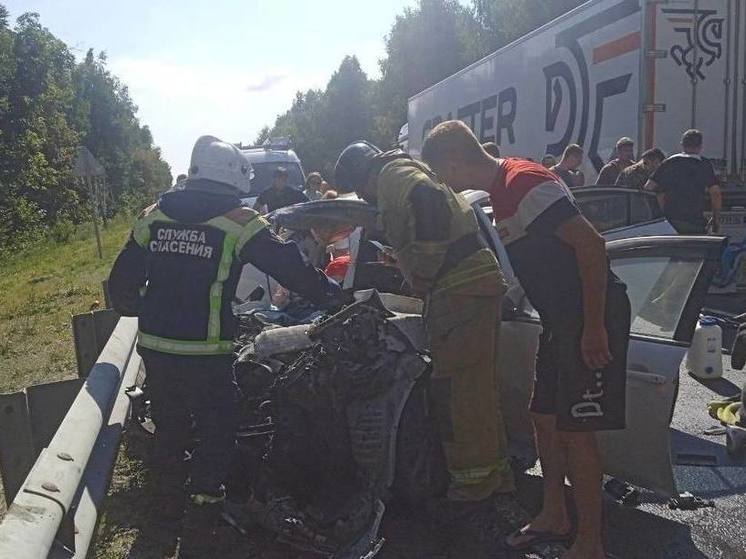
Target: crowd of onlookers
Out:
[680,181]
[622,170]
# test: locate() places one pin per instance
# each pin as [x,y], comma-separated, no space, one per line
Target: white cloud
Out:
[266,83]
[181,102]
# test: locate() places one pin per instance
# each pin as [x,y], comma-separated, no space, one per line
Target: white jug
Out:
[704,359]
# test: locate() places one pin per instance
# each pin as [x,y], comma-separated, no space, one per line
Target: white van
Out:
[266,159]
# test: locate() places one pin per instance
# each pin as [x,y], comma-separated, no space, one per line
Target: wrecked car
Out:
[336,399]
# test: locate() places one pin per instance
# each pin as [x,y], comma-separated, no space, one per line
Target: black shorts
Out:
[581,398]
[690,226]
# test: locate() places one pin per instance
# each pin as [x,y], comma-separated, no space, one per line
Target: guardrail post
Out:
[91,331]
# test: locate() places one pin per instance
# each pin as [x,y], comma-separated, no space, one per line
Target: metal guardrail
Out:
[54,513]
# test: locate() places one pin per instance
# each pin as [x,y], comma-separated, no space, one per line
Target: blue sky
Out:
[225,67]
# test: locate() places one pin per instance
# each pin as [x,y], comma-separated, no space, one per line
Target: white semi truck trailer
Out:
[647,69]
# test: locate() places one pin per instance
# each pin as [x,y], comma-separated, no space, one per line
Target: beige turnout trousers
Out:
[463,325]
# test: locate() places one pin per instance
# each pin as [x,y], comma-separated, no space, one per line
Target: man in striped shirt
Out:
[562,264]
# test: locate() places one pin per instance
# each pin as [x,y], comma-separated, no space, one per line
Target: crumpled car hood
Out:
[326,214]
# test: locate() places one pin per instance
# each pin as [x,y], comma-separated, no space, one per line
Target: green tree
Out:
[321,123]
[426,44]
[505,21]
[37,140]
[348,107]
[303,123]
[263,135]
[49,105]
[110,129]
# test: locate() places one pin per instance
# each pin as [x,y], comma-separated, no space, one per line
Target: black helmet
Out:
[353,166]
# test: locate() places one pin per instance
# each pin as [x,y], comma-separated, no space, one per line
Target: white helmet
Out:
[219,161]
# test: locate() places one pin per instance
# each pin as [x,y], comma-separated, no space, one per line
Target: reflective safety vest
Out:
[192,270]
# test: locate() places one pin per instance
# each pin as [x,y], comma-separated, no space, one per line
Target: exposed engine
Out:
[321,428]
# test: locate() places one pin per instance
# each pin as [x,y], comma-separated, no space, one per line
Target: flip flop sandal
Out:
[536,537]
[714,431]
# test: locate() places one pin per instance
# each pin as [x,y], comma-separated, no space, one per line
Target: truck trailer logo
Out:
[703,39]
[570,39]
[569,89]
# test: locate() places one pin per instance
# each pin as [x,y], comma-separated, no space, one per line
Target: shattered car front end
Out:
[320,425]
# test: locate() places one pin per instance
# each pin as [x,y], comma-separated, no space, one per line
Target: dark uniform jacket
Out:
[180,268]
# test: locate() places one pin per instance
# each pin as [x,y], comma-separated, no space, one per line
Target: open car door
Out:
[667,280]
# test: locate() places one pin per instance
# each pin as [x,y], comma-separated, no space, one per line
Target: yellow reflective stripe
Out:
[225,224]
[181,347]
[216,289]
[141,230]
[250,230]
[475,476]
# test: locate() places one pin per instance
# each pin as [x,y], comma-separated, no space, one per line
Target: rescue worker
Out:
[439,249]
[178,273]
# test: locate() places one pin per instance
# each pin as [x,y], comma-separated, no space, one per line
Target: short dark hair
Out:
[315,175]
[625,141]
[491,148]
[572,149]
[280,172]
[692,138]
[654,153]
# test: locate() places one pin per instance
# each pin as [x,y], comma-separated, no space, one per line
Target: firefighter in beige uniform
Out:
[442,255]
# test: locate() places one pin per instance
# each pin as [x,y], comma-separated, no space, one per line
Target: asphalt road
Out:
[652,530]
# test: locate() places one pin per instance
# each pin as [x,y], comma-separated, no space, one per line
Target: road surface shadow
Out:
[630,533]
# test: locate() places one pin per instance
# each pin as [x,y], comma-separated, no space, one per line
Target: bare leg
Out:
[584,461]
[553,516]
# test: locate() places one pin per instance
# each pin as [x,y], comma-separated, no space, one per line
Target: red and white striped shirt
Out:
[528,191]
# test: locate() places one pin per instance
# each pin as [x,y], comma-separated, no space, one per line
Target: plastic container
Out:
[704,359]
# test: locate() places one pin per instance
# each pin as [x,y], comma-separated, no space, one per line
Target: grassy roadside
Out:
[39,291]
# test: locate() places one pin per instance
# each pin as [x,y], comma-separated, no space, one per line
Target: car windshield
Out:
[264,172]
